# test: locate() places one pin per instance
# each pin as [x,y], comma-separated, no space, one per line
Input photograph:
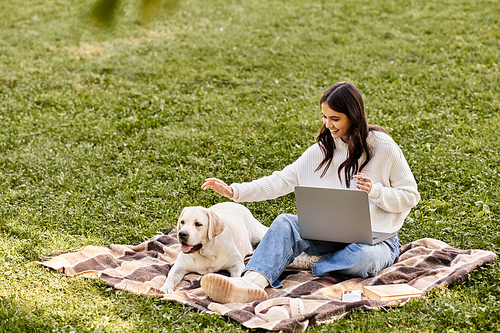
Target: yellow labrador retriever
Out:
[214,239]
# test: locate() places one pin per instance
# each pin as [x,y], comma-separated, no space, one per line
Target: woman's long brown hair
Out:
[345,98]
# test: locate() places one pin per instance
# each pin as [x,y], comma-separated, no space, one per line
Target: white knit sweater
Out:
[394,190]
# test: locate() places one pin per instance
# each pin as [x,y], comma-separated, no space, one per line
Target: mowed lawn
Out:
[105,135]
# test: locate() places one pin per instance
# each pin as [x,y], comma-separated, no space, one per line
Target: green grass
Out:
[106,135]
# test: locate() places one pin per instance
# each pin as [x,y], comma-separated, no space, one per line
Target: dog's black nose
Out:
[183,235]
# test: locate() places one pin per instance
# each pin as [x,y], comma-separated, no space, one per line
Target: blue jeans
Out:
[282,244]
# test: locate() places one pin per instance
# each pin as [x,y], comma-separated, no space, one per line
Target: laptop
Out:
[336,215]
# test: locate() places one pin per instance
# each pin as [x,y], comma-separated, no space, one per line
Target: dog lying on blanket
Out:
[214,239]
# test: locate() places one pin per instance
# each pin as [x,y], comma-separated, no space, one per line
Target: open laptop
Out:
[336,215]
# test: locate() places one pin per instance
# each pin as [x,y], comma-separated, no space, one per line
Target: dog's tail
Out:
[257,230]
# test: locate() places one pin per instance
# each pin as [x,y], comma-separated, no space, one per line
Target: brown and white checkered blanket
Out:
[141,269]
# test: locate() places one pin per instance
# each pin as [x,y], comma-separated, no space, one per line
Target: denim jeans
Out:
[282,244]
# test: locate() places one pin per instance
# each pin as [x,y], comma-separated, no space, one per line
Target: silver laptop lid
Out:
[335,215]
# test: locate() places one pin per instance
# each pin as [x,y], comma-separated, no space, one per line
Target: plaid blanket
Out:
[142,269]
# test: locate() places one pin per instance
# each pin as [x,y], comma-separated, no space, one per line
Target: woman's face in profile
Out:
[336,122]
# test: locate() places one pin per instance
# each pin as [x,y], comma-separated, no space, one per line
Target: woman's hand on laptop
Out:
[363,182]
[218,186]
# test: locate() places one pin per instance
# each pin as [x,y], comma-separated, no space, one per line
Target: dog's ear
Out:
[181,217]
[215,225]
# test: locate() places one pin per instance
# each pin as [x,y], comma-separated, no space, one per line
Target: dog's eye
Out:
[198,224]
[181,222]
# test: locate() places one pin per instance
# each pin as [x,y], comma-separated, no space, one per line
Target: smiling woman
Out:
[348,148]
[344,103]
[336,122]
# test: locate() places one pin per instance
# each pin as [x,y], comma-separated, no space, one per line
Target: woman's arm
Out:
[400,194]
[269,187]
[392,187]
[279,183]
[398,199]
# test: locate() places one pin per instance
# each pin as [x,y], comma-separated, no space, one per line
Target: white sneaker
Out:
[225,289]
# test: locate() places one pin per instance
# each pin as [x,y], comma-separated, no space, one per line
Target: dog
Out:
[214,239]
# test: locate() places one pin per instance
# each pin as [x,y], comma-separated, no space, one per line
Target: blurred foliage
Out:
[104,12]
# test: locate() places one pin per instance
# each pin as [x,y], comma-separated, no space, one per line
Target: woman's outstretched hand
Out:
[363,182]
[218,186]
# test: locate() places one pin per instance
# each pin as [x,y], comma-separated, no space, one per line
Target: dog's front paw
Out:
[167,289]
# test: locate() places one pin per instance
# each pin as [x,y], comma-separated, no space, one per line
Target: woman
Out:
[349,154]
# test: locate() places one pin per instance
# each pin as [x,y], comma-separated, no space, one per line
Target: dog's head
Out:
[196,227]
